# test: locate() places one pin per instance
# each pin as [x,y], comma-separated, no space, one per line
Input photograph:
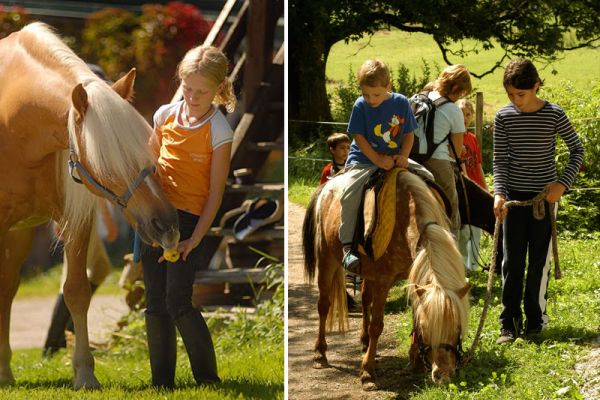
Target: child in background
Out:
[453,83]
[382,126]
[192,141]
[339,146]
[469,236]
[524,164]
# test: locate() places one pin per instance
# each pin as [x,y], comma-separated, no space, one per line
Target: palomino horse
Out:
[421,246]
[55,112]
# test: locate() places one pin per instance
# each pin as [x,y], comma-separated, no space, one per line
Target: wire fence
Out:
[302,121]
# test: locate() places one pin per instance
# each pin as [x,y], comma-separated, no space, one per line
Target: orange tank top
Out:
[185,155]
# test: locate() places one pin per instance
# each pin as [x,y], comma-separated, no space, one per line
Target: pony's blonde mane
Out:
[437,267]
[114,138]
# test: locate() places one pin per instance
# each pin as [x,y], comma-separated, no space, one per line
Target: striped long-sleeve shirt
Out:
[525,148]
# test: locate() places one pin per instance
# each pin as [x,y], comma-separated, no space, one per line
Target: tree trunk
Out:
[306,83]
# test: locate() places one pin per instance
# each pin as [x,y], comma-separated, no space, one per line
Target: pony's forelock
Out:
[111,128]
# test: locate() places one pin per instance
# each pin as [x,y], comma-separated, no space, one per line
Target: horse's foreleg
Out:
[325,286]
[77,296]
[368,376]
[367,300]
[14,248]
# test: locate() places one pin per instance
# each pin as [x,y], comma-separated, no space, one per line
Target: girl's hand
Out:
[499,210]
[401,161]
[555,192]
[385,162]
[184,248]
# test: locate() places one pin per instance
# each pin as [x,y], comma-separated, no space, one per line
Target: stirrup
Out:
[351,264]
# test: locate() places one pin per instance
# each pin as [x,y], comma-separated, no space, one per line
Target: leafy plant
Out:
[153,42]
[12,19]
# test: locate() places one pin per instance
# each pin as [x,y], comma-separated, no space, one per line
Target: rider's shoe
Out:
[351,264]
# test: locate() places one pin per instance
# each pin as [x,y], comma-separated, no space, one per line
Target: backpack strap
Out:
[429,126]
[441,101]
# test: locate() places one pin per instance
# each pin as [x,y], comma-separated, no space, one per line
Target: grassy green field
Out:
[528,369]
[580,66]
[249,372]
[47,283]
[249,347]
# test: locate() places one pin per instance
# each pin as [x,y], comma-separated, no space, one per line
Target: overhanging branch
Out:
[444,51]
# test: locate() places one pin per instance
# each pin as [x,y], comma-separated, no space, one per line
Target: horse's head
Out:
[437,331]
[109,150]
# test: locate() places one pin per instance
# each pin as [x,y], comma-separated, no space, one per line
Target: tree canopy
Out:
[539,30]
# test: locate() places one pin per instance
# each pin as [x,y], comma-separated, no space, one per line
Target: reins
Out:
[537,204]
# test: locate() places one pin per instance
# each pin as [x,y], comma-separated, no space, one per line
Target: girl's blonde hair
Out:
[212,64]
[454,79]
[374,73]
[464,103]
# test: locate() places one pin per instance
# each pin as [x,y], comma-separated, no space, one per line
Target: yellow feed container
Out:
[171,255]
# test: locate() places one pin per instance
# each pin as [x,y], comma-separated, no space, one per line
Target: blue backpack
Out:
[424,109]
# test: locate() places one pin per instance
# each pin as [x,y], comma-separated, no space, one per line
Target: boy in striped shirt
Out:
[524,152]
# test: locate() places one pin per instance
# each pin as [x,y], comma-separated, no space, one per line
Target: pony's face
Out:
[152,215]
[111,143]
[440,356]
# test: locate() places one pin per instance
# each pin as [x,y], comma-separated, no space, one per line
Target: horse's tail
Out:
[309,235]
[338,309]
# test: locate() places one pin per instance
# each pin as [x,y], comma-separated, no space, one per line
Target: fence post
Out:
[479,117]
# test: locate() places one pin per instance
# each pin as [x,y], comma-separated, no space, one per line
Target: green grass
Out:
[47,284]
[249,348]
[250,372]
[531,369]
[300,190]
[395,47]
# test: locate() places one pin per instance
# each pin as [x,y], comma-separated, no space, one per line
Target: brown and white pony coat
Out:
[421,249]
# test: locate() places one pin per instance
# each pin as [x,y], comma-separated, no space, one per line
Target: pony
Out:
[420,249]
[61,125]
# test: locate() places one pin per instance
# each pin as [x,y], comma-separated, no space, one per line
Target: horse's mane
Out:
[438,265]
[114,138]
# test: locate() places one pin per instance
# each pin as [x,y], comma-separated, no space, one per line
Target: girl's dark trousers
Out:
[522,234]
[169,304]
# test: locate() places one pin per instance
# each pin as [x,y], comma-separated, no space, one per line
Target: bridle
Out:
[84,174]
[425,349]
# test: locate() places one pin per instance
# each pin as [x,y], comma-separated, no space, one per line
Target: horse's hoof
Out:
[369,386]
[368,381]
[320,362]
[90,383]
[7,379]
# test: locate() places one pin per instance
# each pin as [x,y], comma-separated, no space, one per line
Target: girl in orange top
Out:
[193,144]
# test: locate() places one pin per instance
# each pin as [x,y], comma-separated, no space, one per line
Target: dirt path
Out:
[341,380]
[30,319]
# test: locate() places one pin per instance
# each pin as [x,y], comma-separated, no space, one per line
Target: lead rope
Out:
[538,213]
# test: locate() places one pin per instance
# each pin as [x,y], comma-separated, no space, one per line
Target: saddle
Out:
[377,214]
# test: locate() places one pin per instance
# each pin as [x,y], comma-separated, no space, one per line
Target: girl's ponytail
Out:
[225,96]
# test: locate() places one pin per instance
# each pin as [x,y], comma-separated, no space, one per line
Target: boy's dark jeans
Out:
[169,285]
[522,232]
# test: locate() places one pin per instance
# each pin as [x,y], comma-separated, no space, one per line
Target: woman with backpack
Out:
[453,83]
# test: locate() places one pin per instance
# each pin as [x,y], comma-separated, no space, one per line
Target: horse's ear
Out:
[463,291]
[419,290]
[124,86]
[80,101]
